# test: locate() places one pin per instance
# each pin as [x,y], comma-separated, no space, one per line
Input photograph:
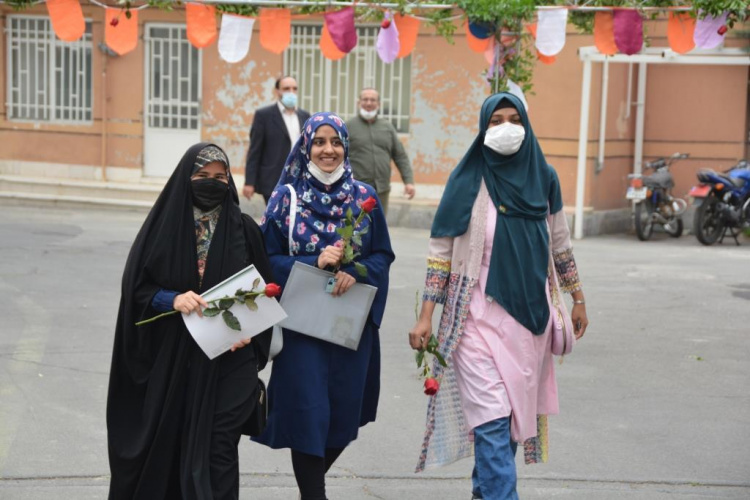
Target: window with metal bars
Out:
[326,85]
[47,79]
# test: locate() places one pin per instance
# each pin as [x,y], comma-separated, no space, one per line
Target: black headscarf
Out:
[162,386]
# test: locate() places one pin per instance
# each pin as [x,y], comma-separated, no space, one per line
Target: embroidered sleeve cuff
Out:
[565,265]
[436,281]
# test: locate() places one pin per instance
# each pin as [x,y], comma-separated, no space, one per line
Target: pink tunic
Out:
[501,367]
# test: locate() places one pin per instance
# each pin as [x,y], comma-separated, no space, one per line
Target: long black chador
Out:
[172,412]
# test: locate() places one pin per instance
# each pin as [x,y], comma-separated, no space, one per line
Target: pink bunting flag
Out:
[706,34]
[341,28]
[388,44]
[628,28]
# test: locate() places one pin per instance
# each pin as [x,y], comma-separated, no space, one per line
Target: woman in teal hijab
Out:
[500,254]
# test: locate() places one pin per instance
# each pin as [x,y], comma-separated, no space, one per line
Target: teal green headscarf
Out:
[524,189]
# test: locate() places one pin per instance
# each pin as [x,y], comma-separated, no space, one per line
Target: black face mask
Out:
[209,193]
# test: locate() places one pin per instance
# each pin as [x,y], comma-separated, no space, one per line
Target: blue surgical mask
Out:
[289,100]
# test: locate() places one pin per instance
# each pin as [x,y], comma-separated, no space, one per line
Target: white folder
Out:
[313,311]
[213,335]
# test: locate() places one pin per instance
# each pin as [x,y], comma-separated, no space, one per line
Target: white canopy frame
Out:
[589,55]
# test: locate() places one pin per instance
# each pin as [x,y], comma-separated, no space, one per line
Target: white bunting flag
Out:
[234,38]
[550,34]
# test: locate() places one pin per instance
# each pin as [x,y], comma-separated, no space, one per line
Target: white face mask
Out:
[326,177]
[368,115]
[505,139]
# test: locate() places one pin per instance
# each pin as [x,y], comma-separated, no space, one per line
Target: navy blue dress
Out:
[320,393]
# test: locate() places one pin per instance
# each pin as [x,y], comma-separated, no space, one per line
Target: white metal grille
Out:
[173,79]
[326,85]
[48,79]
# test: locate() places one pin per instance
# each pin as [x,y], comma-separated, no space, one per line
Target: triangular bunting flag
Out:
[604,33]
[550,38]
[275,29]
[707,35]
[341,27]
[201,24]
[681,32]
[327,47]
[234,39]
[628,28]
[67,19]
[120,33]
[408,30]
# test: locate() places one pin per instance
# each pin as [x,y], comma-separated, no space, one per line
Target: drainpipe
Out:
[103,92]
[603,116]
[640,119]
[583,137]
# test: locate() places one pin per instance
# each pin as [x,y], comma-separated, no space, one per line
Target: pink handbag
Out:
[563,337]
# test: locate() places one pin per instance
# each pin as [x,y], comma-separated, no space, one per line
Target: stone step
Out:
[79,191]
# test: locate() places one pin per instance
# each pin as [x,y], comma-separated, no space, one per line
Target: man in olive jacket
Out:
[373,143]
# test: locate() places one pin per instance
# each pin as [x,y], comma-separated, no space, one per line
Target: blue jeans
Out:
[494,475]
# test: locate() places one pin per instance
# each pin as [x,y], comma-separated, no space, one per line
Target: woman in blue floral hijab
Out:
[321,393]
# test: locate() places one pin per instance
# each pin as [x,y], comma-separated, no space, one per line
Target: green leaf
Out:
[433,343]
[211,311]
[225,304]
[231,320]
[357,239]
[346,232]
[441,359]
[420,357]
[250,303]
[256,283]
[349,214]
[361,269]
[364,230]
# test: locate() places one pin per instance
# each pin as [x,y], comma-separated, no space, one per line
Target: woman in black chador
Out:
[174,417]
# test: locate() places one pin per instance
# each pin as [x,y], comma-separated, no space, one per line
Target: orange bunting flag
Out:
[477,44]
[121,33]
[67,19]
[201,24]
[275,29]
[408,29]
[604,33]
[680,32]
[327,47]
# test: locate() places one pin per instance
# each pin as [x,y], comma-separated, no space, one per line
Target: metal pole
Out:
[583,137]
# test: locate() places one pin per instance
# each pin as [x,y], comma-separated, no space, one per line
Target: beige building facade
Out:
[73,111]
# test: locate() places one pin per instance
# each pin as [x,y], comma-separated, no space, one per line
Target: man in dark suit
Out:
[274,131]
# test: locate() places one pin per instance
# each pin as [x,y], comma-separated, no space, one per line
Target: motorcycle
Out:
[654,203]
[723,203]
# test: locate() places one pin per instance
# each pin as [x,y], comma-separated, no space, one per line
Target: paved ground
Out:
[654,401]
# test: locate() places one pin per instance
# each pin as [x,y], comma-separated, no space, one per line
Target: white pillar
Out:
[640,119]
[603,116]
[583,138]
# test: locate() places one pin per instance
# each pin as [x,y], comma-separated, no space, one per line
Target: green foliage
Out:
[240,10]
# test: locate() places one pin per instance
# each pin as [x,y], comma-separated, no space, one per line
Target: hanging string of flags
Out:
[615,30]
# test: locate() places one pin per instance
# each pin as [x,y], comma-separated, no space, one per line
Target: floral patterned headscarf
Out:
[320,208]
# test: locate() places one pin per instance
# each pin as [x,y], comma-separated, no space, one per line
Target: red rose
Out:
[114,21]
[722,29]
[369,204]
[272,290]
[385,24]
[431,386]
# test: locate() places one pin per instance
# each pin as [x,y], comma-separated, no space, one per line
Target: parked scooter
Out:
[723,203]
[654,203]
